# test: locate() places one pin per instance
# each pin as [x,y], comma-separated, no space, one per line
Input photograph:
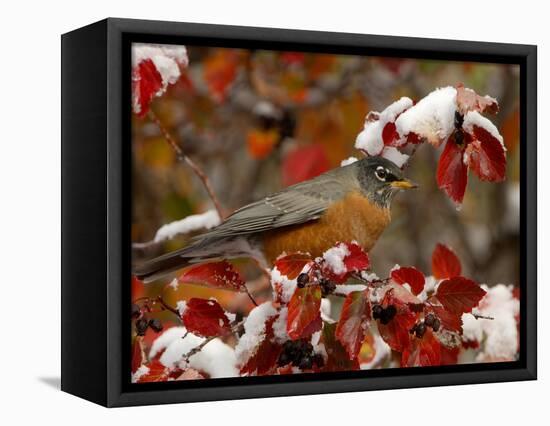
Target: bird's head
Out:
[380,179]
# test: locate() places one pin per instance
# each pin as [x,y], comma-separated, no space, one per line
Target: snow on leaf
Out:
[156,372]
[304,315]
[291,265]
[411,276]
[215,274]
[485,155]
[432,118]
[205,318]
[146,83]
[344,259]
[304,163]
[452,173]
[459,295]
[154,67]
[379,129]
[352,327]
[468,100]
[264,359]
[445,263]
[422,352]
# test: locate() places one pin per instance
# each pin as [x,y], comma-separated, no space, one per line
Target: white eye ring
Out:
[381,173]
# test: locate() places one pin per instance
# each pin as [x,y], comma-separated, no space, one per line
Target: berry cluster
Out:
[300,353]
[142,324]
[430,320]
[327,287]
[385,315]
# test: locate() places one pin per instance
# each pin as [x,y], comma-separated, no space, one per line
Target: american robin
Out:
[345,204]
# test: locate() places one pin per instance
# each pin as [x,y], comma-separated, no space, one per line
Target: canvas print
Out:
[303,213]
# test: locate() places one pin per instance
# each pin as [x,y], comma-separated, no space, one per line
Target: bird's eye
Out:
[381,173]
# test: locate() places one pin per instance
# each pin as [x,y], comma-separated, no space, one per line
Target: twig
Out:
[167,306]
[250,295]
[477,316]
[181,156]
[198,348]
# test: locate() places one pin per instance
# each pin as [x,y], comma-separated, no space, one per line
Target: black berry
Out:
[283,359]
[436,325]
[136,311]
[327,287]
[302,280]
[420,329]
[155,324]
[459,120]
[141,326]
[387,314]
[377,311]
[318,360]
[429,320]
[306,363]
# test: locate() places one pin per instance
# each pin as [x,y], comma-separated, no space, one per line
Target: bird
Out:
[348,203]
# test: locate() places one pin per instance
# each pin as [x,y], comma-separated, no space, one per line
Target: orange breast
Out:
[353,218]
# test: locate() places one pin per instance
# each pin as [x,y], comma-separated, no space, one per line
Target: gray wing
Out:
[294,205]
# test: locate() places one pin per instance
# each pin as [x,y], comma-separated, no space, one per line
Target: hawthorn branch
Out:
[182,157]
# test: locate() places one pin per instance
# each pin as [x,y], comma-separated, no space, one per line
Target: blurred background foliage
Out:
[257,121]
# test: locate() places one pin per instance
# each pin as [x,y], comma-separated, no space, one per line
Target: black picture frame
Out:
[96,207]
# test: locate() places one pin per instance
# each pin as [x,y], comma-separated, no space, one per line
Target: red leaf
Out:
[422,352]
[486,156]
[216,274]
[304,316]
[138,357]
[337,356]
[157,373]
[205,318]
[411,276]
[353,322]
[390,135]
[445,263]
[304,163]
[396,332]
[355,260]
[459,295]
[449,356]
[264,359]
[449,320]
[452,173]
[292,264]
[469,100]
[146,82]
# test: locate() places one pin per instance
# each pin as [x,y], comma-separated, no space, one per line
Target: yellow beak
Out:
[403,184]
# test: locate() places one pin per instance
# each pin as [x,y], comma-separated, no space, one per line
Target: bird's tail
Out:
[158,267]
[204,250]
